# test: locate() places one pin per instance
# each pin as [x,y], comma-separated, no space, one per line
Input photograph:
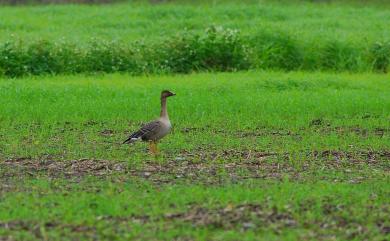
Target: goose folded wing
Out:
[147,132]
[150,130]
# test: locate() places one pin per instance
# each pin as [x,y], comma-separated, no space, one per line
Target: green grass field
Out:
[260,154]
[128,22]
[257,155]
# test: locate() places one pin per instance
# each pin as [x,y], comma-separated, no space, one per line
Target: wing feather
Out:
[145,133]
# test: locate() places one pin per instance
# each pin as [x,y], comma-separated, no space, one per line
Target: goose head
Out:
[166,94]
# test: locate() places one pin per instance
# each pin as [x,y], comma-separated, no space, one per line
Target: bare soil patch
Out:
[333,222]
[244,216]
[38,229]
[210,166]
[317,125]
[72,168]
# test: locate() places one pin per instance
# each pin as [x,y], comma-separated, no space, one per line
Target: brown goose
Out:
[155,130]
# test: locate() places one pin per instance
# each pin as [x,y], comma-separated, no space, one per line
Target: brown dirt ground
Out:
[210,166]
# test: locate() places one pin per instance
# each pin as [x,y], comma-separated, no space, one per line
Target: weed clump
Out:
[13,59]
[338,56]
[109,57]
[379,56]
[275,51]
[217,50]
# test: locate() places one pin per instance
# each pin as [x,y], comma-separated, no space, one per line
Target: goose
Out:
[155,130]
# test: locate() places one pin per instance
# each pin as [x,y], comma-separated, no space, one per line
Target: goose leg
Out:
[156,149]
[153,147]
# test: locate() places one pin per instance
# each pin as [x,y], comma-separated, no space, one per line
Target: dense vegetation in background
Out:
[215,50]
[168,38]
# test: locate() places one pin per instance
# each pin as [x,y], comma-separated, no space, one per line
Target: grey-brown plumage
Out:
[147,132]
[157,129]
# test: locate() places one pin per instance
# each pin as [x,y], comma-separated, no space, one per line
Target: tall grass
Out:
[216,49]
[380,56]
[275,51]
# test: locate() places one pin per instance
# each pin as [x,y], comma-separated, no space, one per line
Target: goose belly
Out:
[166,128]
